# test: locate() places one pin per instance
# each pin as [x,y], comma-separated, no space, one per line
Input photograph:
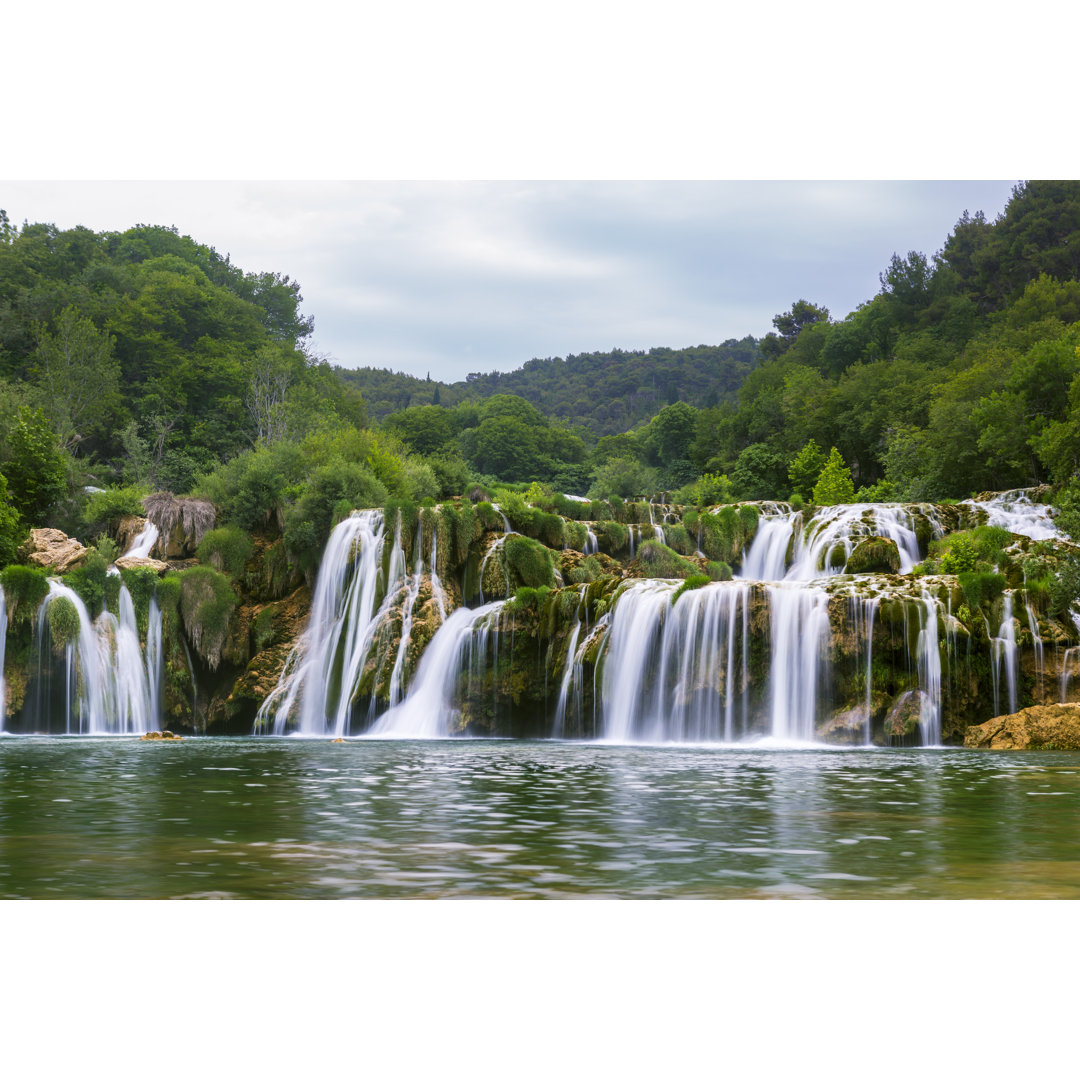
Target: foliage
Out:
[659,561]
[207,602]
[93,583]
[11,529]
[529,562]
[834,484]
[34,467]
[805,468]
[104,510]
[227,549]
[981,588]
[24,589]
[695,581]
[63,619]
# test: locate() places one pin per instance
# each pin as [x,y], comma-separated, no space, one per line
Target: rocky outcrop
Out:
[874,555]
[1040,727]
[183,522]
[137,562]
[52,550]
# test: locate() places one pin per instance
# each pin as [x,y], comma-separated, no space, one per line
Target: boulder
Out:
[904,716]
[135,562]
[874,555]
[53,550]
[1039,727]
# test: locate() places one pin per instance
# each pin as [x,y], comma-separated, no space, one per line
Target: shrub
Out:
[659,561]
[529,561]
[981,589]
[719,571]
[575,535]
[63,619]
[227,549]
[96,587]
[207,602]
[612,537]
[956,553]
[24,589]
[104,510]
[11,529]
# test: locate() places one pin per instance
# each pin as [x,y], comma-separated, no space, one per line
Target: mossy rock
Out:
[874,555]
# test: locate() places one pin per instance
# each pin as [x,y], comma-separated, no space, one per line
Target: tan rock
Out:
[53,550]
[128,531]
[134,562]
[1040,727]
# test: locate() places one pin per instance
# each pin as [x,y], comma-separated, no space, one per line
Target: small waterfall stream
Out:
[110,686]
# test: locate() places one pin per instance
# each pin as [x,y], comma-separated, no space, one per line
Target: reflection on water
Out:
[285,818]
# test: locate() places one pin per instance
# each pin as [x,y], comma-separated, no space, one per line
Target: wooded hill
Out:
[605,393]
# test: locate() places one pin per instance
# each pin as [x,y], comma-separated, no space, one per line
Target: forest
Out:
[143,360]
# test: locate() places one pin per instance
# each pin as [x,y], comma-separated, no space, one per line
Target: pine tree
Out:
[834,485]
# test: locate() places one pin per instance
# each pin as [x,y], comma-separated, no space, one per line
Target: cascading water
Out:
[316,690]
[432,705]
[1014,510]
[109,686]
[571,668]
[1006,656]
[144,543]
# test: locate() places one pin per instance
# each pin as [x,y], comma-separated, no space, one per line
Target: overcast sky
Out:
[452,277]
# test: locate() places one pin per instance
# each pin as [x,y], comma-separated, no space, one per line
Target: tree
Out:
[79,376]
[271,377]
[805,469]
[834,485]
[35,467]
[802,314]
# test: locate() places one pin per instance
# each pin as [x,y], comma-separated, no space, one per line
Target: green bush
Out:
[659,561]
[227,549]
[981,589]
[719,571]
[97,588]
[529,562]
[575,535]
[612,538]
[11,527]
[207,602]
[956,553]
[24,589]
[104,510]
[63,622]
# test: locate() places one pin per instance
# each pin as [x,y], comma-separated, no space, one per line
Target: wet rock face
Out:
[53,550]
[874,555]
[1040,727]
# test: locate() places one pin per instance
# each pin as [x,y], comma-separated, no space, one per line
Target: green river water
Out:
[294,818]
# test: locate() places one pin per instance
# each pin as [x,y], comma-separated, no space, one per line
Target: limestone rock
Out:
[153,736]
[53,550]
[135,562]
[128,531]
[183,522]
[1039,727]
[903,718]
[874,555]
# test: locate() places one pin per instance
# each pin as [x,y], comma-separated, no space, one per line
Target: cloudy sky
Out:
[452,277]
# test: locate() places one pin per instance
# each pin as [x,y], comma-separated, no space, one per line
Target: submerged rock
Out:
[1040,727]
[53,550]
[153,736]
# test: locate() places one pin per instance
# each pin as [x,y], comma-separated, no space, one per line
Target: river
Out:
[269,818]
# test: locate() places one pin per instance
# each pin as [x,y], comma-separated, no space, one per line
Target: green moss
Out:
[576,535]
[24,589]
[142,584]
[97,589]
[719,571]
[874,555]
[63,622]
[981,589]
[489,518]
[678,539]
[227,549]
[612,537]
[207,602]
[695,581]
[529,561]
[659,561]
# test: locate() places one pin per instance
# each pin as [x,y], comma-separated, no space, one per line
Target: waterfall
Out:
[592,545]
[110,686]
[144,543]
[766,558]
[571,672]
[929,668]
[800,622]
[3,647]
[658,532]
[1014,510]
[1005,655]
[432,704]
[862,611]
[835,530]
[321,675]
